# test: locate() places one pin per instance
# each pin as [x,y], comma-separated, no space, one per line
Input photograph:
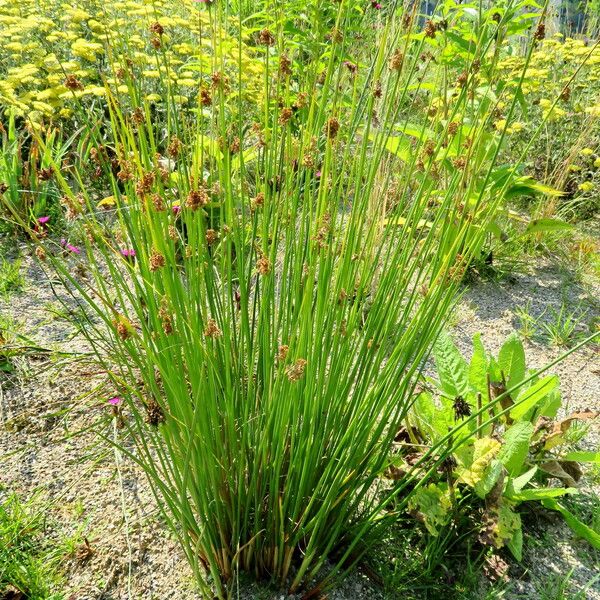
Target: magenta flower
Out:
[128,253]
[176,209]
[73,249]
[115,401]
[43,220]
[376,5]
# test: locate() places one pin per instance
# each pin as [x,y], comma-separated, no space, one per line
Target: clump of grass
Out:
[527,323]
[275,275]
[11,278]
[29,563]
[562,329]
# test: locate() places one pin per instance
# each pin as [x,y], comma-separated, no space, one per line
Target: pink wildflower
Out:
[115,401]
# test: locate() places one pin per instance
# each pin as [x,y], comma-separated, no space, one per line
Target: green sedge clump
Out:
[265,276]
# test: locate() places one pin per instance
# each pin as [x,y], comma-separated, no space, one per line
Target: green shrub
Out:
[511,448]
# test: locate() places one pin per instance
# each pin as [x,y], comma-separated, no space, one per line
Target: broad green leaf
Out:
[424,408]
[516,484]
[593,457]
[474,460]
[478,366]
[581,529]
[489,479]
[541,493]
[434,419]
[506,525]
[451,367]
[417,131]
[494,370]
[512,360]
[547,225]
[516,446]
[434,504]
[515,544]
[551,405]
[495,230]
[400,146]
[528,398]
[466,45]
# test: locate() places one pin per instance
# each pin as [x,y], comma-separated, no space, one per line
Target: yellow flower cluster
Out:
[552,65]
[47,42]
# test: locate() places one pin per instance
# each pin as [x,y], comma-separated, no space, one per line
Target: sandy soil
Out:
[49,402]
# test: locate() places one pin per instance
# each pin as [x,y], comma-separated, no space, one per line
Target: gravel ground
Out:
[49,399]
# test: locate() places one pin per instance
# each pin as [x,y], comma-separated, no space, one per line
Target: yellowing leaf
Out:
[474,462]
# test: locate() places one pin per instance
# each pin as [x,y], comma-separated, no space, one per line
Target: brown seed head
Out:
[332,127]
[285,116]
[197,198]
[263,265]
[336,35]
[158,203]
[157,261]
[212,330]
[144,185]
[540,32]
[282,352]
[235,145]
[285,65]
[462,79]
[266,38]
[257,201]
[301,100]
[296,371]
[205,97]
[45,174]
[429,148]
[396,60]
[40,253]
[211,236]
[165,318]
[174,147]
[137,116]
[157,28]
[154,413]
[72,83]
[460,162]
[123,327]
[430,29]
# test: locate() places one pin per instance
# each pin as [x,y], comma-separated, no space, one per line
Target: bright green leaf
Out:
[516,446]
[531,396]
[512,360]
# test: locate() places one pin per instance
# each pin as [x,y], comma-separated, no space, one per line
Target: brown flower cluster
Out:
[157,261]
[197,199]
[296,371]
[212,330]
